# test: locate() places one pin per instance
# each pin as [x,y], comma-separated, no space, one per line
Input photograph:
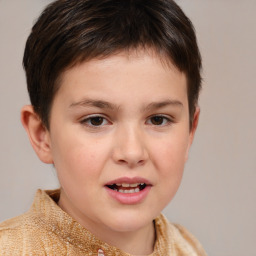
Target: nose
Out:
[130,147]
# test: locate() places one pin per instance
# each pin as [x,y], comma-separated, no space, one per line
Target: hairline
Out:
[164,59]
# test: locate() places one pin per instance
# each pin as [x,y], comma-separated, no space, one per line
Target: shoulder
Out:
[13,225]
[181,241]
[13,234]
[190,239]
[21,236]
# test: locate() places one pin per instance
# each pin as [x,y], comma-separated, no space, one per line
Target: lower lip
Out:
[129,198]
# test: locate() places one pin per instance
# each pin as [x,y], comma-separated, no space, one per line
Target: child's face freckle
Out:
[114,118]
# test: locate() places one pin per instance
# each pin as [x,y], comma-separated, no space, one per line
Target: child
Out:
[114,87]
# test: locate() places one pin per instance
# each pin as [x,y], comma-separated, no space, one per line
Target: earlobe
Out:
[193,129]
[38,134]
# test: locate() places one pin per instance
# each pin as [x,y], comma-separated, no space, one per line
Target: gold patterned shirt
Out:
[47,230]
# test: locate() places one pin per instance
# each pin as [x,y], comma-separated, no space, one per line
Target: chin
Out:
[129,222]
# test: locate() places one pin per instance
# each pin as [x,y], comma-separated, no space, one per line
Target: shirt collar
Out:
[50,216]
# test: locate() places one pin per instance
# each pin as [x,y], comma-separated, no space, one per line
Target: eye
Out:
[159,120]
[94,121]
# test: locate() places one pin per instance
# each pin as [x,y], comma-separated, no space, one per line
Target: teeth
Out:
[129,191]
[134,185]
[136,190]
[123,187]
[126,185]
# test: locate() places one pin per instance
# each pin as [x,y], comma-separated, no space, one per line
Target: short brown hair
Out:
[71,31]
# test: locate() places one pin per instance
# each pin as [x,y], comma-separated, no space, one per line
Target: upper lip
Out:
[128,180]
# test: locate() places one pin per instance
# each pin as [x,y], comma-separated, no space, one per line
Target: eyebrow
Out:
[107,105]
[94,103]
[161,104]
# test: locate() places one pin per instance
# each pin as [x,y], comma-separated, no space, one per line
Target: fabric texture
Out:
[47,230]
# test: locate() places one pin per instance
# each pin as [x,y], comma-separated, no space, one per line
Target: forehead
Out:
[141,72]
[128,58]
[131,56]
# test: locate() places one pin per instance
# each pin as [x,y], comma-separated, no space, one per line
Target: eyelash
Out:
[88,121]
[168,120]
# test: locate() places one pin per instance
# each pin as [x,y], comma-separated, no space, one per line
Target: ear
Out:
[38,134]
[193,129]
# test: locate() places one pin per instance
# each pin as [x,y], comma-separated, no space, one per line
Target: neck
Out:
[139,242]
[136,242]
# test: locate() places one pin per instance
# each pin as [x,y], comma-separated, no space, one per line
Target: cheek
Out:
[169,162]
[75,160]
[170,155]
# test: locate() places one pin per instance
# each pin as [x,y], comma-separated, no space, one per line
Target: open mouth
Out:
[128,188]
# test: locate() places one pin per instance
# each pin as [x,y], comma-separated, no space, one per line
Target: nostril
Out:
[121,161]
[141,162]
[131,163]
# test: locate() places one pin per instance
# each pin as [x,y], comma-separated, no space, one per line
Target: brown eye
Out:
[96,121]
[159,120]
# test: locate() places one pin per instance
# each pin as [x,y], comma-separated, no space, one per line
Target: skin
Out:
[129,140]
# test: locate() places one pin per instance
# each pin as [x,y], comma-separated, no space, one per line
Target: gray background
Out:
[217,199]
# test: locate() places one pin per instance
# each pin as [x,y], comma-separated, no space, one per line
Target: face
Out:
[119,138]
